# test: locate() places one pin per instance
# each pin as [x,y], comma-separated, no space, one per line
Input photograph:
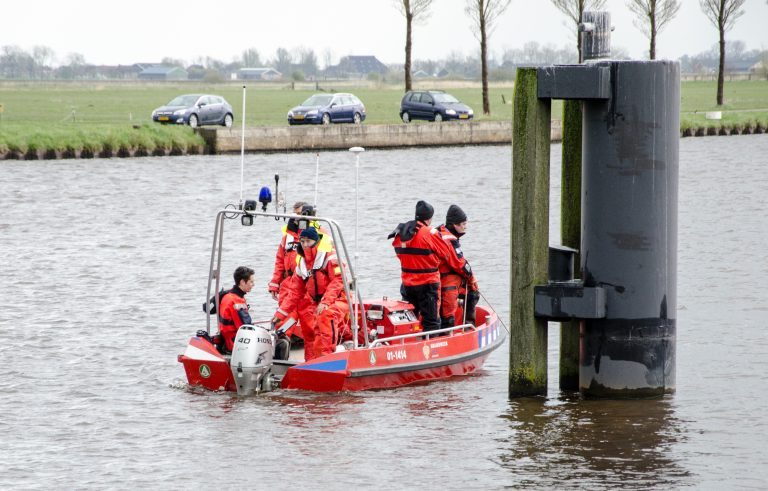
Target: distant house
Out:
[195,72]
[261,73]
[421,74]
[162,72]
[117,72]
[739,66]
[443,73]
[356,67]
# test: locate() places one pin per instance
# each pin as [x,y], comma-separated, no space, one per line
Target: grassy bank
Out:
[745,105]
[35,141]
[102,118]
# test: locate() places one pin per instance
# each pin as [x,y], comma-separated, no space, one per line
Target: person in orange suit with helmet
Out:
[316,290]
[285,258]
[420,250]
[456,274]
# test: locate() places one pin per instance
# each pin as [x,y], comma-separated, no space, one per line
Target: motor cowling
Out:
[251,361]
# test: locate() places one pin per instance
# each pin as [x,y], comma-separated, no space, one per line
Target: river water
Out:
[104,264]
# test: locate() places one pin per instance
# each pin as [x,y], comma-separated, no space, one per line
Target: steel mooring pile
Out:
[620,181]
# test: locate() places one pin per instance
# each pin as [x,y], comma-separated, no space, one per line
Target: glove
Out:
[273,289]
[320,308]
[473,284]
[277,319]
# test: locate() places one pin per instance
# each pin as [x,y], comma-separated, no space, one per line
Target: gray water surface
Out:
[104,266]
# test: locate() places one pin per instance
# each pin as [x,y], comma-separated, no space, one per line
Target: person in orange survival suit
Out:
[316,290]
[456,274]
[233,311]
[285,258]
[420,250]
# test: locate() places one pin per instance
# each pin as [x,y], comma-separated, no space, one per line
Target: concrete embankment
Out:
[343,136]
[334,137]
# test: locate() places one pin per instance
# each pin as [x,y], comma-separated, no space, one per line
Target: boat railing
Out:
[351,289]
[427,334]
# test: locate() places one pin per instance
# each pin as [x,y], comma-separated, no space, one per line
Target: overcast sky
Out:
[107,32]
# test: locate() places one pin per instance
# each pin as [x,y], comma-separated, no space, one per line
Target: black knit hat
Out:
[424,211]
[455,215]
[310,233]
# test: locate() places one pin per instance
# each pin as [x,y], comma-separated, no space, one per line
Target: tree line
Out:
[651,17]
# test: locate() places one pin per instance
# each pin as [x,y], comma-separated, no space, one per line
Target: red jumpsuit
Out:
[420,250]
[285,260]
[317,280]
[453,273]
[233,313]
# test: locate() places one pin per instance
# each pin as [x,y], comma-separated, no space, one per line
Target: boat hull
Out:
[398,363]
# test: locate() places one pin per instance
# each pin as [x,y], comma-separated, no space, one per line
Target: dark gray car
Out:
[432,105]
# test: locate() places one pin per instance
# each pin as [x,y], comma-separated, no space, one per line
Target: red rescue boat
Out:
[393,362]
[395,352]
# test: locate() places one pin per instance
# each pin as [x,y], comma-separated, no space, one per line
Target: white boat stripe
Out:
[196,353]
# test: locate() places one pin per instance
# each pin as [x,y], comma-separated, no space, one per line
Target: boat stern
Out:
[205,366]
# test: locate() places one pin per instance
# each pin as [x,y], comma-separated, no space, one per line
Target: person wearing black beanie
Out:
[456,276]
[455,215]
[424,211]
[309,233]
[420,250]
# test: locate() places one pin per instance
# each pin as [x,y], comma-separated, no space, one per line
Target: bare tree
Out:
[213,63]
[483,14]
[43,56]
[306,59]
[251,58]
[652,17]
[168,61]
[763,70]
[283,61]
[327,58]
[723,15]
[574,9]
[75,62]
[16,63]
[413,11]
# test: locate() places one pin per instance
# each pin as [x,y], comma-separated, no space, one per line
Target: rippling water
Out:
[104,270]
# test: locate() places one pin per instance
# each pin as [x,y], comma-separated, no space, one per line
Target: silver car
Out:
[195,110]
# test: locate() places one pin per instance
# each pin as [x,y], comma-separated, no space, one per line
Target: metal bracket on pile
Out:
[574,82]
[569,300]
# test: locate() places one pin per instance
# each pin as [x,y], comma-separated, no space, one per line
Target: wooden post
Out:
[570,233]
[529,241]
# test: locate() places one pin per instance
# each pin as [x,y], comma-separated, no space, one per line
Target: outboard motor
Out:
[251,361]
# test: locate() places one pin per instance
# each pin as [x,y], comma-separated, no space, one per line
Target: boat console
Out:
[391,317]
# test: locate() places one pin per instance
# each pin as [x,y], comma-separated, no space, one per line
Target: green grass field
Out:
[266,105]
[61,115]
[744,102]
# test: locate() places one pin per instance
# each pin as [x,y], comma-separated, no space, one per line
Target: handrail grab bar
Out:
[429,334]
